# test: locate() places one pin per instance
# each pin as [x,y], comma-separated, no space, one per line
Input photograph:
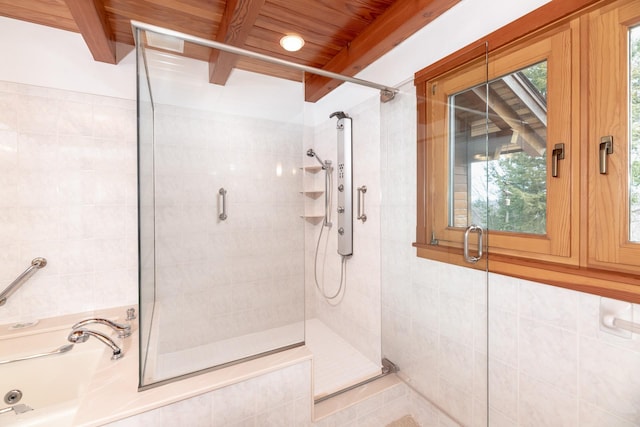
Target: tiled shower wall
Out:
[67,193]
[356,317]
[548,361]
[244,274]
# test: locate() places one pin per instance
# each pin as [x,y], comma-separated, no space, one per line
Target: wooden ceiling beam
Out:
[237,21]
[401,20]
[91,19]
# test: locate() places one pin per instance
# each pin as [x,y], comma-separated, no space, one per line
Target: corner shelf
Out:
[312,218]
[314,194]
[312,169]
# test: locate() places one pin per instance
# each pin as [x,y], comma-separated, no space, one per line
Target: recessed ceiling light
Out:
[292,42]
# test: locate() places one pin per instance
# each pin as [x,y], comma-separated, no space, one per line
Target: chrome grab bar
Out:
[223,193]
[36,264]
[480,231]
[62,349]
[361,192]
[328,170]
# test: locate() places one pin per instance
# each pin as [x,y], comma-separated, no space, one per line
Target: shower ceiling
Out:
[342,36]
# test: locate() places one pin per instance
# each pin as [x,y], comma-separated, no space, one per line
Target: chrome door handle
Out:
[223,193]
[469,230]
[361,215]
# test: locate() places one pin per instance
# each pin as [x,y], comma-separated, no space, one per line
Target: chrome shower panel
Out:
[345,184]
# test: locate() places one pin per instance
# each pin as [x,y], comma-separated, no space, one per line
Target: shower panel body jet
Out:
[345,183]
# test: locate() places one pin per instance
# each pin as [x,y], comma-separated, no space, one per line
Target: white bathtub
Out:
[53,386]
[84,387]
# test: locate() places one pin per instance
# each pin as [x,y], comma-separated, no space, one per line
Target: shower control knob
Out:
[341,231]
[340,187]
[340,209]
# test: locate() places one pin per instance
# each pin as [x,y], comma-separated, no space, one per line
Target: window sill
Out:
[621,286]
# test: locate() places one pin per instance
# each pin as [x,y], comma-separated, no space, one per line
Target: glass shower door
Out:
[146,295]
[220,210]
[435,313]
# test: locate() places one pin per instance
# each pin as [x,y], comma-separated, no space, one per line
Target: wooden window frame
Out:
[613,283]
[556,49]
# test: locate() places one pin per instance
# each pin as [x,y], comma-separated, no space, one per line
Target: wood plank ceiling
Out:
[341,36]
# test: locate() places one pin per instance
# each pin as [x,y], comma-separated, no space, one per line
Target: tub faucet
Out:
[81,335]
[122,329]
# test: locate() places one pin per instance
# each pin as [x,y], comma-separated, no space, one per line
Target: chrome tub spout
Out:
[81,335]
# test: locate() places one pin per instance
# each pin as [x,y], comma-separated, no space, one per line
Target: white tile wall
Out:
[548,361]
[245,274]
[90,147]
[67,193]
[357,316]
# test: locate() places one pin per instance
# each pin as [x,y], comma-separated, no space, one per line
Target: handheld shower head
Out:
[312,153]
[339,115]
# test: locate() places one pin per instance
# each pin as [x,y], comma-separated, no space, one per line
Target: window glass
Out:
[634,134]
[498,134]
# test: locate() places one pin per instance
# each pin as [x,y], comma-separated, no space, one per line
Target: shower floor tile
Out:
[336,363]
[216,353]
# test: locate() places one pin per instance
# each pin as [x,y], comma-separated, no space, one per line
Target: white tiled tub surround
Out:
[357,316]
[67,193]
[549,363]
[277,398]
[264,402]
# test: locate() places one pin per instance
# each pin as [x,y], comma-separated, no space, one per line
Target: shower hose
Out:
[326,223]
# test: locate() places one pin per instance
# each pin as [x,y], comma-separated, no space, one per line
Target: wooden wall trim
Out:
[91,19]
[608,284]
[604,283]
[529,23]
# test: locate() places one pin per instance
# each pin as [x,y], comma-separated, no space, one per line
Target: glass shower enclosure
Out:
[221,239]
[224,212]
